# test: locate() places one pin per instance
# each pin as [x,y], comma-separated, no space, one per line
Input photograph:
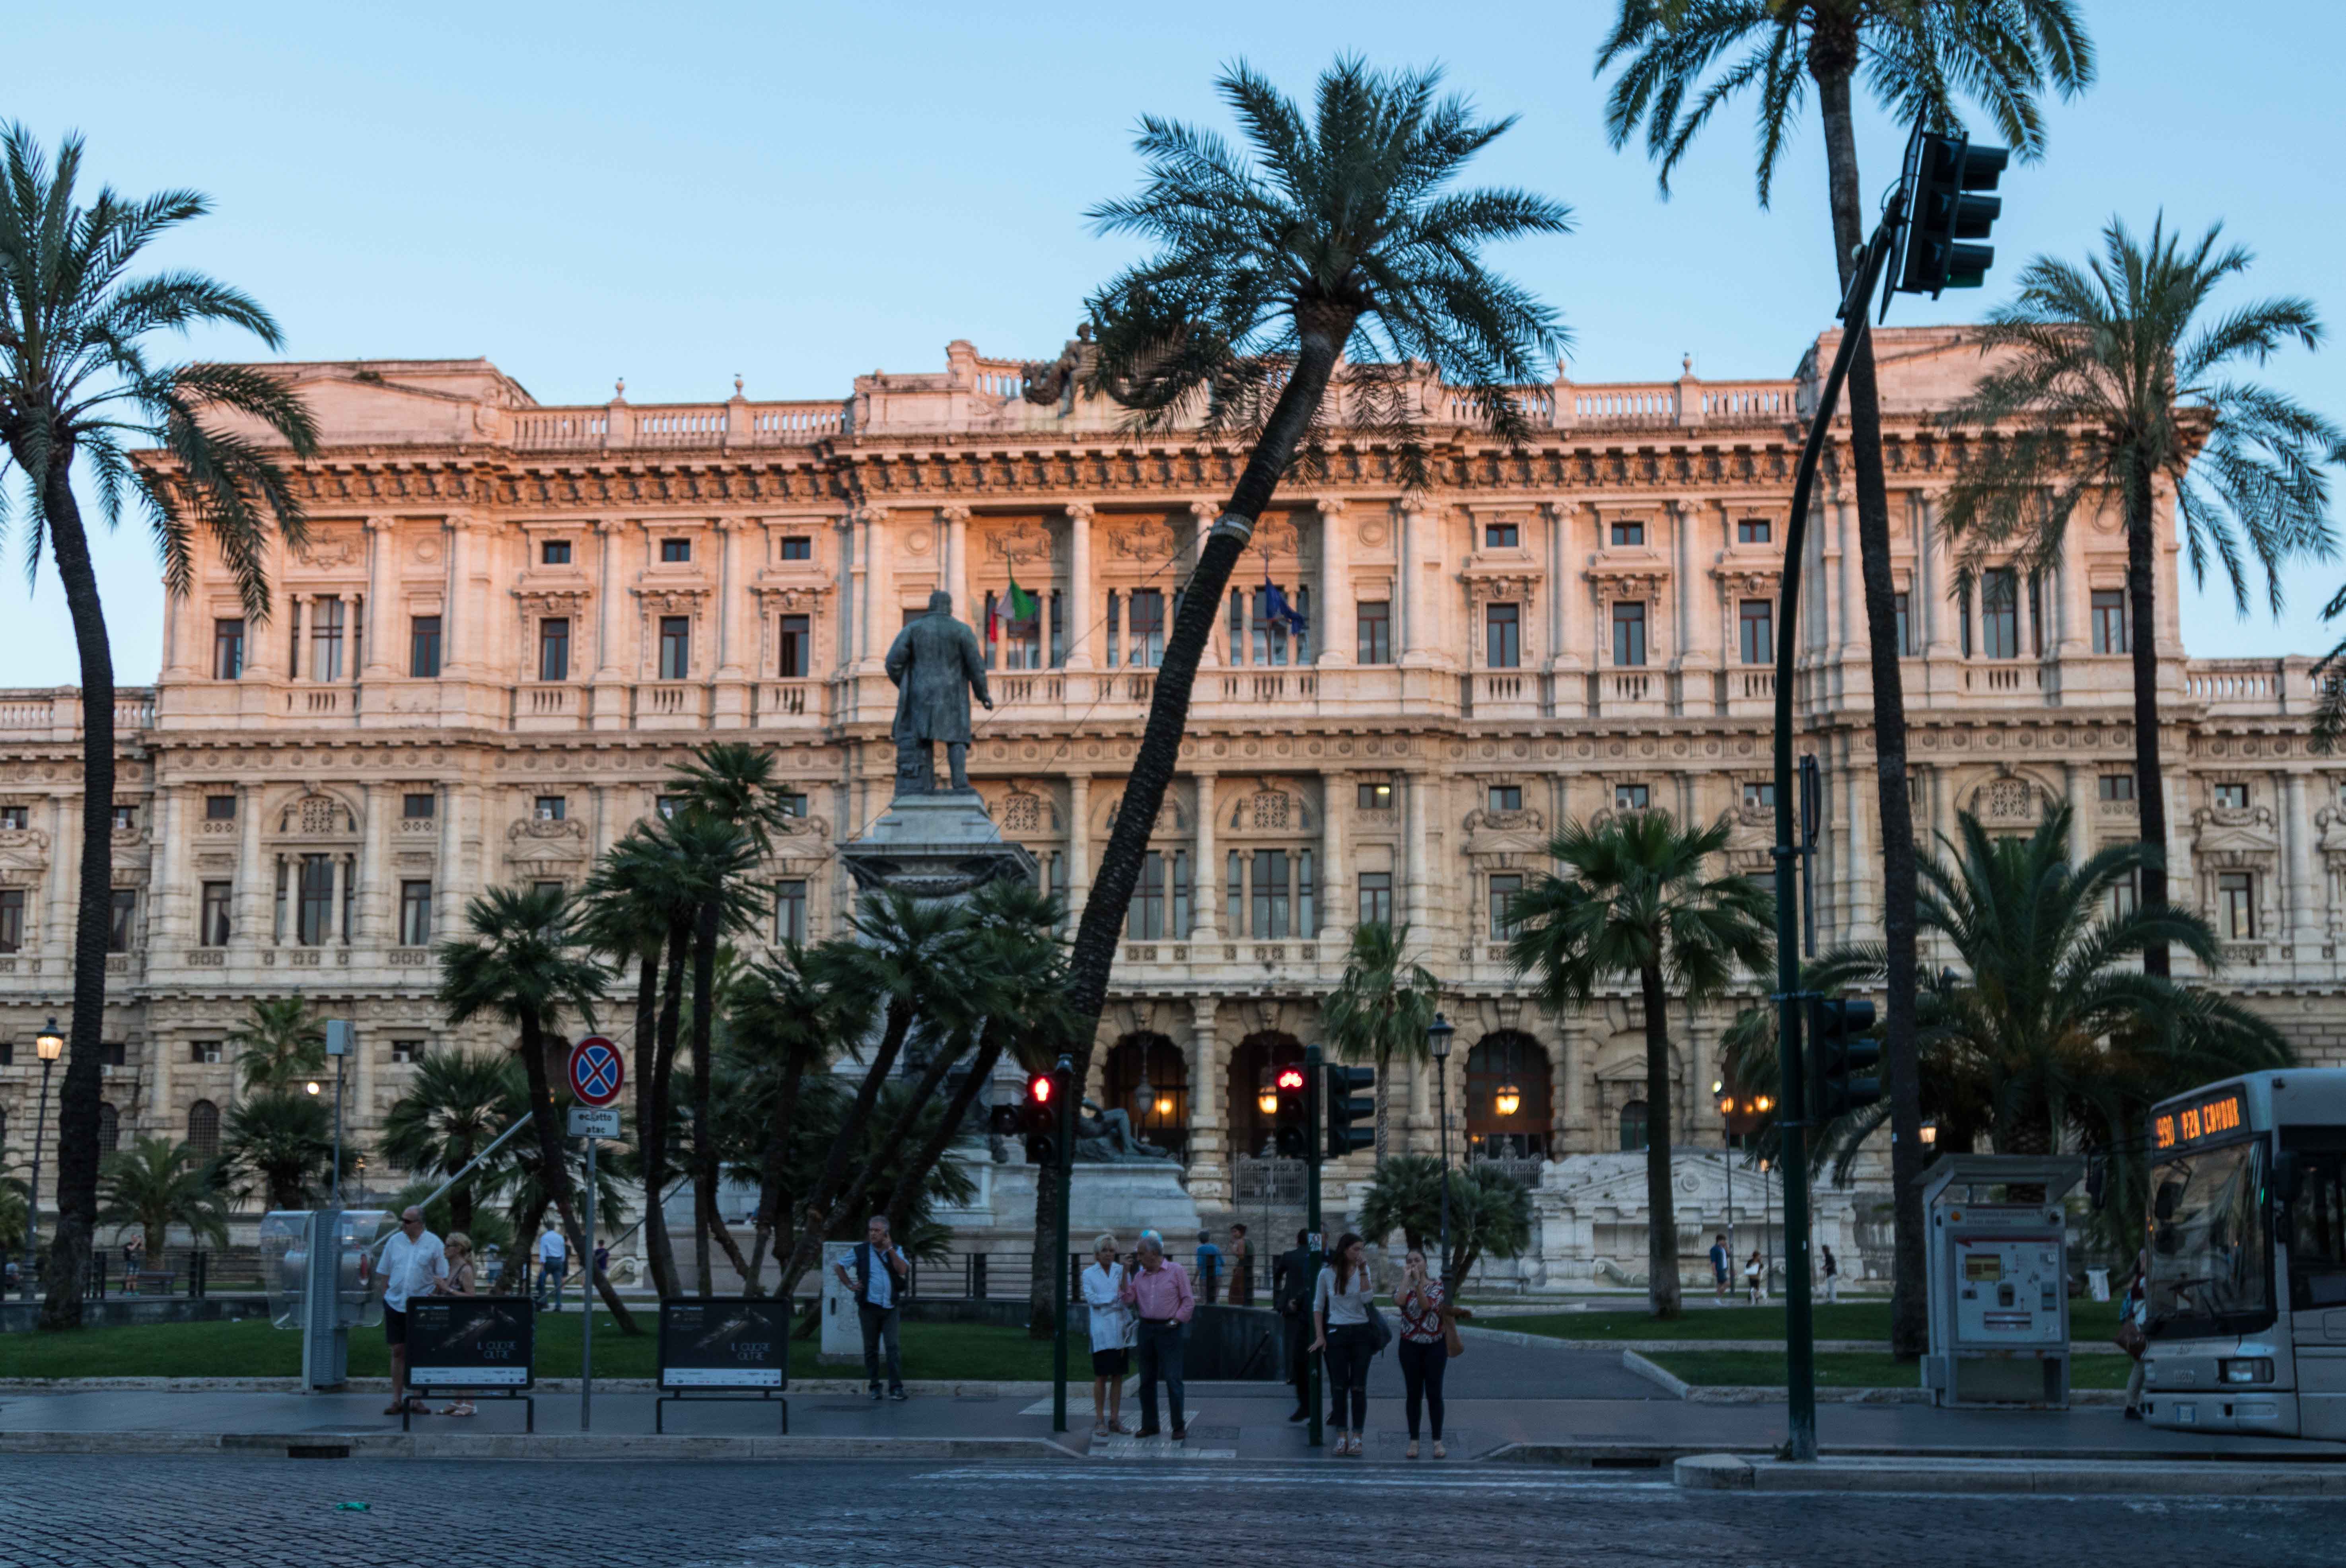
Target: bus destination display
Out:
[2185,1124]
[724,1344]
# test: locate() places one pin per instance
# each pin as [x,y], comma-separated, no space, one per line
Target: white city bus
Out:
[2247,1256]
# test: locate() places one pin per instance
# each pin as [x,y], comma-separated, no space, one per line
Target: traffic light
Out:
[1841,1052]
[1941,213]
[1349,1103]
[1289,1135]
[1038,1118]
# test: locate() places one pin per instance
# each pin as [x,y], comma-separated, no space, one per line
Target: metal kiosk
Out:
[723,1348]
[318,1267]
[1998,1281]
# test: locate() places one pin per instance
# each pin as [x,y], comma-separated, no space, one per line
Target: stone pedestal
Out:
[938,845]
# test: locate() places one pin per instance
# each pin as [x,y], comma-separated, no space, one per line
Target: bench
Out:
[150,1282]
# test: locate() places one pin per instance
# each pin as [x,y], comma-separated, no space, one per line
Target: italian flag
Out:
[1021,604]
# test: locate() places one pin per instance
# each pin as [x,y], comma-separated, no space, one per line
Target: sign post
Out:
[596,1072]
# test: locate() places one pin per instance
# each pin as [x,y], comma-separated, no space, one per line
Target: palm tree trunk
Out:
[77,1100]
[647,1118]
[2142,642]
[656,1240]
[916,1174]
[704,1154]
[553,1174]
[1384,1104]
[771,1225]
[1661,1207]
[931,1078]
[1908,1321]
[1320,338]
[814,1222]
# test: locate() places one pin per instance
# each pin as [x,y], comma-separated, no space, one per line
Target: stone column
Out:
[377,903]
[730,696]
[1079,844]
[952,542]
[1409,586]
[254,888]
[377,654]
[1209,1153]
[1338,631]
[1078,611]
[1206,884]
[2297,840]
[1416,899]
[1935,581]
[447,900]
[458,631]
[1335,871]
[2077,786]
[879,592]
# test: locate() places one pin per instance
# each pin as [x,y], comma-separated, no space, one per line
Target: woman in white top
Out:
[1111,1327]
[1340,1305]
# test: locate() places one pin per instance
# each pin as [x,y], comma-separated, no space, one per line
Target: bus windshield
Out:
[2210,1257]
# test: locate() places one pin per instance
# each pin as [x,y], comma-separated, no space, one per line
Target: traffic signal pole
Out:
[1315,1084]
[1064,1158]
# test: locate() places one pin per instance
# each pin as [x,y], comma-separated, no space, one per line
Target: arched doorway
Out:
[1163,1118]
[109,1127]
[1507,1098]
[203,1129]
[1252,1065]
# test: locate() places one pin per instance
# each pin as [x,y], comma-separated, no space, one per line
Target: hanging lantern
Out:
[1265,1099]
[1510,1099]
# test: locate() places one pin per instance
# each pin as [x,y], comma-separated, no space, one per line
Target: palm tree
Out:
[784,1023]
[1634,900]
[1916,55]
[284,1140]
[2110,379]
[523,963]
[1490,1211]
[1379,1010]
[454,1106]
[280,1045]
[77,383]
[156,1184]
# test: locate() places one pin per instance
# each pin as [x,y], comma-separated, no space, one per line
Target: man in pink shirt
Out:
[1158,1293]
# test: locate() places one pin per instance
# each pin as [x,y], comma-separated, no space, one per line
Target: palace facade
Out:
[511,619]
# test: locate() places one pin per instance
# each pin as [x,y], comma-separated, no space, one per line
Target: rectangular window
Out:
[125,817]
[1499,535]
[1504,888]
[1906,648]
[1506,798]
[1631,797]
[798,548]
[314,919]
[1144,918]
[1629,531]
[668,806]
[1752,530]
[555,553]
[2116,785]
[1964,618]
[1180,918]
[1269,639]
[790,802]
[2236,907]
[1755,631]
[219,807]
[407,1053]
[1269,922]
[205,1052]
[1629,635]
[2232,797]
[415,914]
[1375,619]
[2126,895]
[1503,632]
[1058,631]
[228,648]
[2110,621]
[326,639]
[12,919]
[1376,795]
[676,550]
[789,911]
[1234,892]
[212,923]
[1758,794]
[675,647]
[1238,625]
[417,807]
[554,649]
[1376,898]
[122,915]
[1147,623]
[424,645]
[553,807]
[114,1053]
[2000,613]
[798,648]
[553,888]
[2036,614]
[16,817]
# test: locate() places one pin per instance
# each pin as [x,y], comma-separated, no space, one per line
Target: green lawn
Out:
[2089,1320]
[1846,1370]
[252,1348]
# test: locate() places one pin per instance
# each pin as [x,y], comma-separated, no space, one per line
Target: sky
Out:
[799,194]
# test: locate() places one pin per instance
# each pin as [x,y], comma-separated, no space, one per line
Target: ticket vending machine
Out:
[1998,1279]
[317,1267]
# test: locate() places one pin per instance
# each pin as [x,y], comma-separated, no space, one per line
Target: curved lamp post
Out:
[1437,1041]
[48,1046]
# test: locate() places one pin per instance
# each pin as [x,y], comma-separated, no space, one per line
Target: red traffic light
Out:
[1291,1080]
[1038,1089]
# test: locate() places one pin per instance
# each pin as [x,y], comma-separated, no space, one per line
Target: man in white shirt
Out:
[552,1253]
[413,1265]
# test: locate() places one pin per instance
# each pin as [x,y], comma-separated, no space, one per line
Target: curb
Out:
[632,1447]
[811,1386]
[2162,1477]
[1670,1382]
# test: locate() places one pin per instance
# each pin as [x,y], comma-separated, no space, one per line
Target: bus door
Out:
[2316,1237]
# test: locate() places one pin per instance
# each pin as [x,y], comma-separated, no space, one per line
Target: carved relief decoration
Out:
[1020,543]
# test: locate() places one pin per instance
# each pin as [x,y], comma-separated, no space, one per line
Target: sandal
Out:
[462,1408]
[1411,1451]
[1119,1429]
[393,1410]
[1439,1452]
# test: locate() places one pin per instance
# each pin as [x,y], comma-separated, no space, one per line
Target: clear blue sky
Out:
[798,194]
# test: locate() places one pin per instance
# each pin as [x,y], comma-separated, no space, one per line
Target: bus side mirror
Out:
[2285,1176]
[2162,1207]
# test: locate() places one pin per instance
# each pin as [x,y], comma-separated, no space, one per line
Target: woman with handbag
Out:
[1343,1304]
[1112,1325]
[1429,1338]
[2133,1307]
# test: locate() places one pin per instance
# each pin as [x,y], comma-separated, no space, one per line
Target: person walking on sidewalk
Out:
[1341,1303]
[1832,1278]
[413,1264]
[1111,1336]
[2134,1308]
[880,1271]
[553,1256]
[1158,1291]
[459,1281]
[1754,1280]
[1241,1261]
[1424,1346]
[1718,1261]
[1290,1296]
[1209,1267]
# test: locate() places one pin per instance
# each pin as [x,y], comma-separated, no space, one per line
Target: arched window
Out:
[1155,1062]
[1633,1126]
[1507,1103]
[1252,1065]
[109,1127]
[203,1129]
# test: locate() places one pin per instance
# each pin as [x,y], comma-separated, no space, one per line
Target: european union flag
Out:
[1282,616]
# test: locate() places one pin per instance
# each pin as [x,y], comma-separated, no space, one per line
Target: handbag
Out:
[1451,1339]
[1378,1330]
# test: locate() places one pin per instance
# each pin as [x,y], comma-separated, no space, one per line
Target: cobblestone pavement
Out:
[97,1512]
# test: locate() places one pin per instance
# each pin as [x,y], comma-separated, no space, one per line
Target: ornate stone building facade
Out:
[511,619]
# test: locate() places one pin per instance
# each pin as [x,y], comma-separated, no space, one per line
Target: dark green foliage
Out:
[1490,1212]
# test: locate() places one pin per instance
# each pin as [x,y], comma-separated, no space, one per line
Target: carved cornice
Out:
[1645,581]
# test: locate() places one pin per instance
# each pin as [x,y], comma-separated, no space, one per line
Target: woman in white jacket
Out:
[1111,1330]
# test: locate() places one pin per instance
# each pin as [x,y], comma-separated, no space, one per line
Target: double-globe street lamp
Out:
[48,1046]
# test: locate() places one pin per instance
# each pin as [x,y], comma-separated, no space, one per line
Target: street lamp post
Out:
[48,1046]
[1437,1040]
